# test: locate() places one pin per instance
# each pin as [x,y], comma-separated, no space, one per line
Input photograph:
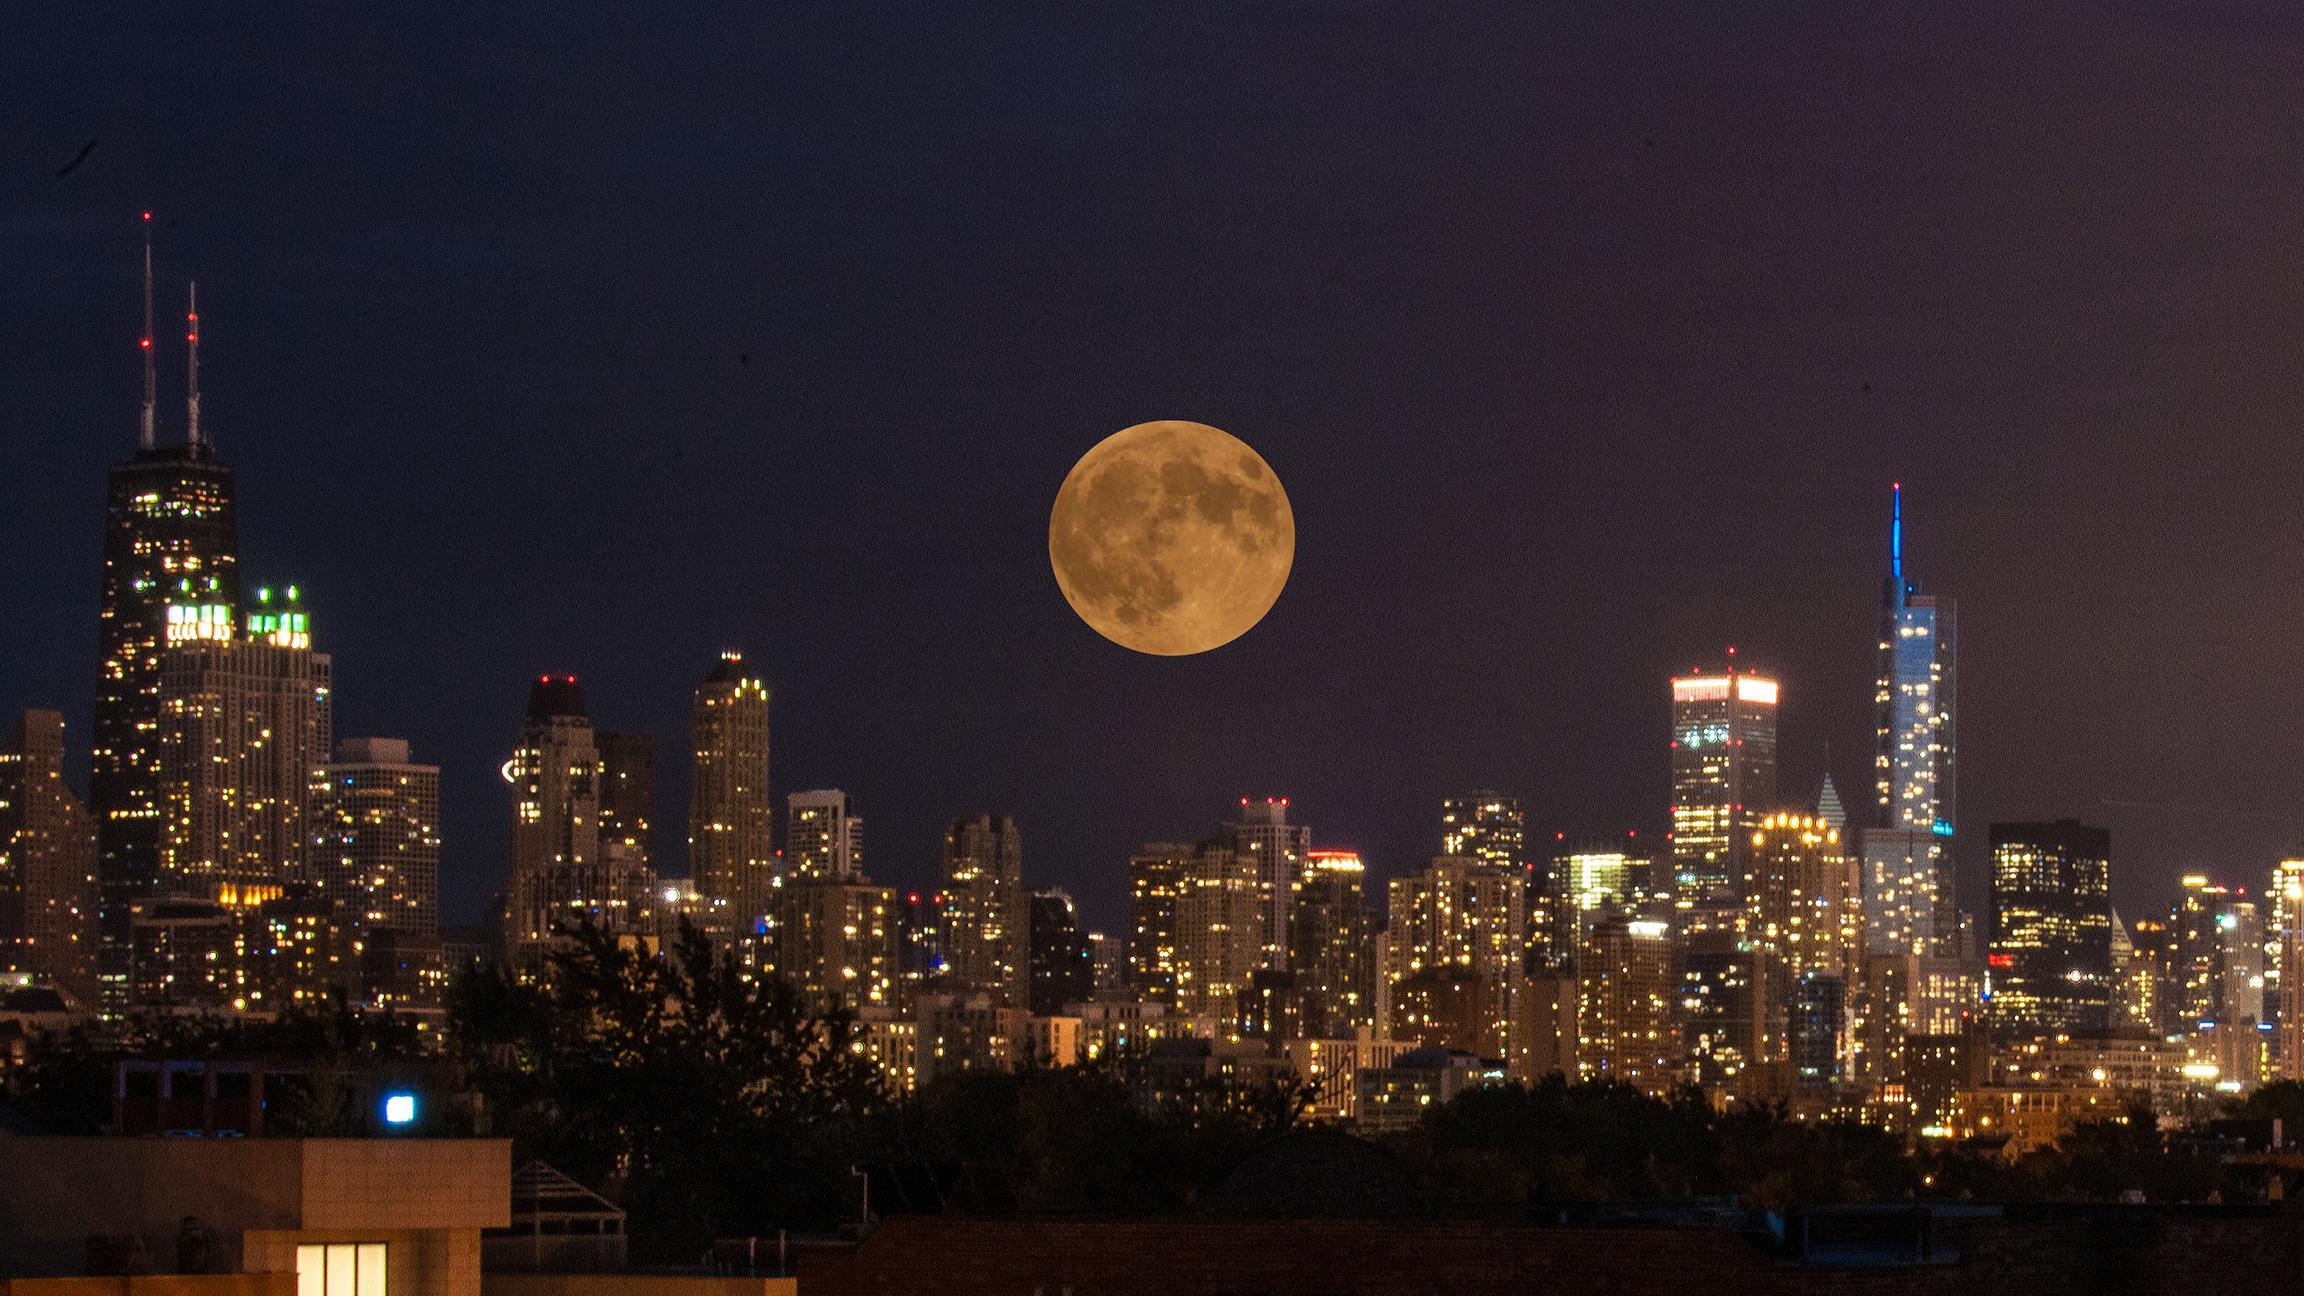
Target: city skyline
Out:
[2022,468]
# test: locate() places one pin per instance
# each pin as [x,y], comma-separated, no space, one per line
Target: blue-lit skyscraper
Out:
[1907,852]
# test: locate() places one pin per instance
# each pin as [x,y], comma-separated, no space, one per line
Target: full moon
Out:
[1171,538]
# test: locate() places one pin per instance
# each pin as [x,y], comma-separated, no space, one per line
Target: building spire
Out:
[192,365]
[151,386]
[1896,534]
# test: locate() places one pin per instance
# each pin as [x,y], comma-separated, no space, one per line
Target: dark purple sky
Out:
[1584,344]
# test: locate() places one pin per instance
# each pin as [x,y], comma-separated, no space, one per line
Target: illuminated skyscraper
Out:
[2197,960]
[245,726]
[171,559]
[1723,779]
[731,818]
[2146,1000]
[823,835]
[1455,954]
[1484,826]
[1196,915]
[1222,918]
[47,862]
[1907,878]
[1722,1013]
[1603,876]
[376,855]
[559,874]
[837,939]
[2051,960]
[987,924]
[1331,947]
[1624,1018]
[2284,974]
[1264,835]
[378,836]
[1805,922]
[1155,879]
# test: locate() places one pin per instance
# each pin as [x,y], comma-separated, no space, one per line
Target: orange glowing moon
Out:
[1171,538]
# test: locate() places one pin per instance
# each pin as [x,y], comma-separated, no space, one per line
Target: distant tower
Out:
[378,855]
[627,798]
[2051,961]
[380,835]
[1829,807]
[1624,1018]
[823,835]
[244,728]
[731,818]
[47,861]
[1804,921]
[1063,965]
[170,542]
[1278,847]
[1455,955]
[1907,851]
[987,924]
[1196,915]
[558,873]
[1332,948]
[1723,779]
[1484,826]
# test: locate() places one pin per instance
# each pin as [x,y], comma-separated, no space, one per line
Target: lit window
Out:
[340,1269]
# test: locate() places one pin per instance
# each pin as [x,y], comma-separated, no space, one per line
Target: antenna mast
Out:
[192,392]
[151,386]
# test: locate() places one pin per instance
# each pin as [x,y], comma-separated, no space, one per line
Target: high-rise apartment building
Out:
[376,857]
[2284,965]
[1624,1017]
[244,727]
[1331,947]
[1723,779]
[47,862]
[560,876]
[2198,959]
[1278,848]
[1722,1015]
[377,836]
[987,924]
[731,817]
[2051,954]
[838,940]
[1456,955]
[823,835]
[171,562]
[1804,919]
[1907,851]
[2145,1000]
[1197,917]
[1485,826]
[1594,877]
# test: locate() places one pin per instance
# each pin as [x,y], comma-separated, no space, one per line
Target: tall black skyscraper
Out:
[1063,967]
[2051,962]
[171,574]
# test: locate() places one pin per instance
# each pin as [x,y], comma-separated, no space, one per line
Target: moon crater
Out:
[1171,538]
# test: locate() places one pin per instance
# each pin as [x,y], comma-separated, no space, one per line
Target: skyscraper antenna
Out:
[192,365]
[151,386]
[1896,534]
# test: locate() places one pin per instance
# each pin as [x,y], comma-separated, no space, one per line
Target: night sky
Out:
[1584,345]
